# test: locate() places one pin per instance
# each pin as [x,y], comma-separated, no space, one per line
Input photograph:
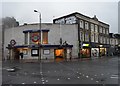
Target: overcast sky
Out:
[23,11]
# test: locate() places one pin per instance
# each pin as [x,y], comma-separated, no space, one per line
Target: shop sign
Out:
[85,45]
[35,37]
[68,20]
[12,42]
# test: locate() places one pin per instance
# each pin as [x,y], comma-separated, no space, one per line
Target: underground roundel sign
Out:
[35,37]
[12,42]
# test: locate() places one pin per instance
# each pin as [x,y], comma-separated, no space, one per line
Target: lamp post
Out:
[39,58]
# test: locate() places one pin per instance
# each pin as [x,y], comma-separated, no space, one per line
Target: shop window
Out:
[102,51]
[95,52]
[35,52]
[85,53]
[45,38]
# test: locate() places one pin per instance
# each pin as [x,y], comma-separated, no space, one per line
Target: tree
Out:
[9,22]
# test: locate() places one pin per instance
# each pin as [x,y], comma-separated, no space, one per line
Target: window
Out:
[26,38]
[107,40]
[92,37]
[96,38]
[101,40]
[96,28]
[101,29]
[81,36]
[86,36]
[92,27]
[104,30]
[45,38]
[81,24]
[35,52]
[86,25]
[107,32]
[104,40]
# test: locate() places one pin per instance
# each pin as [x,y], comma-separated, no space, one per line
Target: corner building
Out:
[71,36]
[92,34]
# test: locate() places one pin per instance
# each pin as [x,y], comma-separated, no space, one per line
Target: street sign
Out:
[12,42]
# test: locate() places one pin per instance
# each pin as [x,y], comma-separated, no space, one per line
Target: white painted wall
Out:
[68,33]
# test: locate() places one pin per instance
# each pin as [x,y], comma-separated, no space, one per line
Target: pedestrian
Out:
[21,55]
[70,56]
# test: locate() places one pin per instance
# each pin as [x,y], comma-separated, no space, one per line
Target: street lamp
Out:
[39,34]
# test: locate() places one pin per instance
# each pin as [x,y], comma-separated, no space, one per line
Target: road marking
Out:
[43,82]
[23,83]
[46,80]
[91,78]
[87,76]
[97,81]
[68,78]
[35,82]
[58,79]
[8,75]
[114,77]
[95,75]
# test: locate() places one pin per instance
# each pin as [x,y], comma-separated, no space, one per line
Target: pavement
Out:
[95,71]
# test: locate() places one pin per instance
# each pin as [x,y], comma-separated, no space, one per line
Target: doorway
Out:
[59,54]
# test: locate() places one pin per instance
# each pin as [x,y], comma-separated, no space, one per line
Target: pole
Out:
[3,30]
[40,37]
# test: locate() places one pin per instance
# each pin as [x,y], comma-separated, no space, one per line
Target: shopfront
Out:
[103,50]
[94,52]
[54,52]
[85,50]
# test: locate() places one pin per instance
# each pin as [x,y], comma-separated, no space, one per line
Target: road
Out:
[95,71]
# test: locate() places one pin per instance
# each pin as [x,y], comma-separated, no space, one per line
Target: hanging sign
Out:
[12,42]
[35,37]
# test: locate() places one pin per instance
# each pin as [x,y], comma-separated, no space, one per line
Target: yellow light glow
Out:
[86,45]
[101,45]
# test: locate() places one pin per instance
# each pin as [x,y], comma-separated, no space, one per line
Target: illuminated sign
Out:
[86,45]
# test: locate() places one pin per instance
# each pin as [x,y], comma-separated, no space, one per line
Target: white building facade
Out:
[25,39]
